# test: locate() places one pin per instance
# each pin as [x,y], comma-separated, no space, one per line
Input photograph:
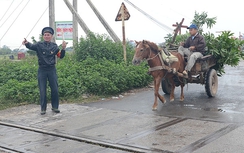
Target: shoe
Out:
[55,110]
[185,72]
[43,112]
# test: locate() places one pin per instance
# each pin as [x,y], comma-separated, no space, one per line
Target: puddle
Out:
[213,109]
[190,106]
[220,110]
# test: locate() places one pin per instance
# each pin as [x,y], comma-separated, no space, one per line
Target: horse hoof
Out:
[172,100]
[163,101]
[154,109]
[181,100]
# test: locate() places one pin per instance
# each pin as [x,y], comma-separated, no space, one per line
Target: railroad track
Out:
[105,144]
[120,144]
[4,149]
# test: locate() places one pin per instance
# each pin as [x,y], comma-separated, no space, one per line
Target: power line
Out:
[165,27]
[181,14]
[6,10]
[15,19]
[11,13]
[35,24]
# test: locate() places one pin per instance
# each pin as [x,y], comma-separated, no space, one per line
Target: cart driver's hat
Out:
[47,29]
[193,26]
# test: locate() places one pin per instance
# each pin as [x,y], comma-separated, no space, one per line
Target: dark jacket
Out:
[45,52]
[198,42]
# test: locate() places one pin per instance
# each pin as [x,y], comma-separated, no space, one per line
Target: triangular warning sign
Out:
[126,13]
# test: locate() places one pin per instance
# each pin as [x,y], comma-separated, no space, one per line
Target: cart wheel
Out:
[211,82]
[166,86]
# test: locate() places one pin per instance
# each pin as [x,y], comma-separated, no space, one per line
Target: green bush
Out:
[101,47]
[99,77]
[20,91]
[225,48]
[99,72]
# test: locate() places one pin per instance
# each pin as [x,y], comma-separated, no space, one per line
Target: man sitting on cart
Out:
[193,48]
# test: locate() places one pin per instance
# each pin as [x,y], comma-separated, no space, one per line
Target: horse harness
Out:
[162,67]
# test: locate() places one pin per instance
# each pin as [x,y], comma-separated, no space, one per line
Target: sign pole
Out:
[62,31]
[123,31]
[123,15]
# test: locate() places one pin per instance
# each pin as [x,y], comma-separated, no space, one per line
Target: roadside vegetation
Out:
[96,68]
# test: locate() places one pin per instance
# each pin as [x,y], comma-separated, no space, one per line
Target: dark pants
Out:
[50,75]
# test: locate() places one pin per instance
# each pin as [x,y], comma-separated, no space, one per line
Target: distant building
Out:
[21,55]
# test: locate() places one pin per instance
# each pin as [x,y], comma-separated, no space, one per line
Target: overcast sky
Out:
[138,27]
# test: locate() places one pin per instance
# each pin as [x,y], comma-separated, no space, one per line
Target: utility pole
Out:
[179,26]
[78,18]
[75,25]
[105,24]
[52,16]
[177,29]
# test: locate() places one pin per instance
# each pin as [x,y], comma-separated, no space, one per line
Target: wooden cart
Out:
[202,73]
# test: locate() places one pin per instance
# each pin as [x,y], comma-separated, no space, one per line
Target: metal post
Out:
[75,25]
[52,15]
[123,31]
[80,21]
[105,24]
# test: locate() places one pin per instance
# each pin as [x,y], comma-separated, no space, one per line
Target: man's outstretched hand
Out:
[24,42]
[64,45]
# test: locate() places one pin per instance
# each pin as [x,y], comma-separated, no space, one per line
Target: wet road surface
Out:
[199,124]
[227,106]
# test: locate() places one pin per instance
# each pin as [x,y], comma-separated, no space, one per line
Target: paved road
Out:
[199,124]
[227,106]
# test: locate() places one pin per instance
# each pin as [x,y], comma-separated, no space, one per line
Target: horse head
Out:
[143,51]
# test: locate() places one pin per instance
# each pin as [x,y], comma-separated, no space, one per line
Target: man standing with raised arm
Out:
[46,51]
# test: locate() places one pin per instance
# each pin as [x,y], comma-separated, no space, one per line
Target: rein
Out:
[148,59]
[162,67]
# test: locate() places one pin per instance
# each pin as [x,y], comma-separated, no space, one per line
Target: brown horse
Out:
[158,69]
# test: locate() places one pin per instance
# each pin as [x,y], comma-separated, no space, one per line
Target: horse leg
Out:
[155,105]
[182,93]
[172,94]
[158,81]
[156,94]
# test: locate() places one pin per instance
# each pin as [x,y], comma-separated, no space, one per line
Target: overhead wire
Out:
[163,26]
[176,12]
[35,24]
[14,20]
[6,10]
[11,13]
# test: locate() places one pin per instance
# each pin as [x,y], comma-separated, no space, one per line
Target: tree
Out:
[225,49]
[35,41]
[202,19]
[31,52]
[168,38]
[5,50]
[16,50]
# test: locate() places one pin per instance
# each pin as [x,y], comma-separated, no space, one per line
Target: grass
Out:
[6,57]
